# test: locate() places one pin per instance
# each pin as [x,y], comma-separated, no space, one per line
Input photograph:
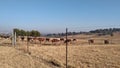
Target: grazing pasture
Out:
[80,53]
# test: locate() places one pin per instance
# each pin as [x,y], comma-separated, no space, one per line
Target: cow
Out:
[29,39]
[47,39]
[55,40]
[74,39]
[22,38]
[90,41]
[68,40]
[106,42]
[34,39]
[62,39]
[41,39]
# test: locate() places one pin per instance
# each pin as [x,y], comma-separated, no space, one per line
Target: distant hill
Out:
[100,32]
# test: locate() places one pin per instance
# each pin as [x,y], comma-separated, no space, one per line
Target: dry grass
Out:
[81,56]
[12,58]
[97,56]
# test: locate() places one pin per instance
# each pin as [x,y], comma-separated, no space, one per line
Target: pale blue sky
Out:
[50,16]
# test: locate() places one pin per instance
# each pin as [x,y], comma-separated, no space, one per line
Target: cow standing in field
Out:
[67,41]
[90,41]
[106,42]
[35,39]
[41,39]
[47,39]
[74,39]
[55,40]
[29,39]
[62,39]
[22,38]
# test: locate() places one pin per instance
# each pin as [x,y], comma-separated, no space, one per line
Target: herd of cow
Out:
[55,40]
[44,39]
[52,40]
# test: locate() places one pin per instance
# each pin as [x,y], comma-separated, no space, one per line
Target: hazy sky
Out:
[49,16]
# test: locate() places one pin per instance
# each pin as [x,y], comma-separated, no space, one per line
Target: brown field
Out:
[80,54]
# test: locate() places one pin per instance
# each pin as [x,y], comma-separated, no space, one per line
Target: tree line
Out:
[100,32]
[21,32]
[106,31]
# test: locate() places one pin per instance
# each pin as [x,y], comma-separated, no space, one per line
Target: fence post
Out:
[66,48]
[28,40]
[13,38]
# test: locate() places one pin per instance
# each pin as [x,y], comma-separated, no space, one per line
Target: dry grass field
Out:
[53,56]
[81,56]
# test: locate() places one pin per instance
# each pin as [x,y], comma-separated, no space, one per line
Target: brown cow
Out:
[106,42]
[22,38]
[47,39]
[55,40]
[41,39]
[29,39]
[68,40]
[74,39]
[35,39]
[62,39]
[90,41]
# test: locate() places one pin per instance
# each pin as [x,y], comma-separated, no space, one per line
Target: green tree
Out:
[22,33]
[17,32]
[34,33]
[28,33]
